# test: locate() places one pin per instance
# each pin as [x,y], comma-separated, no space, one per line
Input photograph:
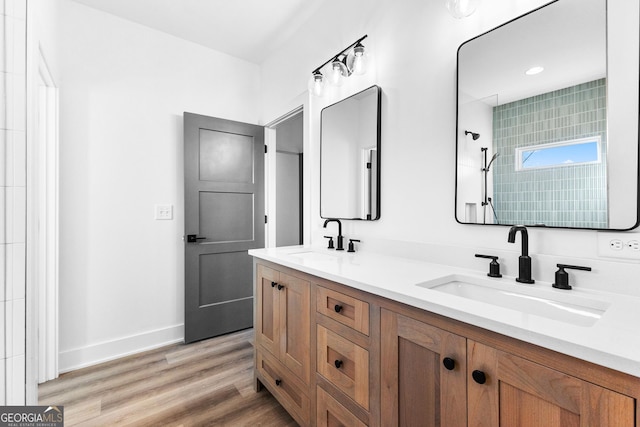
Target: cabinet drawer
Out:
[331,413]
[284,385]
[343,308]
[344,364]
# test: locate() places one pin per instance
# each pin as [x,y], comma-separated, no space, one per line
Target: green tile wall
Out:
[569,196]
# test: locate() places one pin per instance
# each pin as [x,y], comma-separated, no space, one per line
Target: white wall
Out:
[123,90]
[414,46]
[13,202]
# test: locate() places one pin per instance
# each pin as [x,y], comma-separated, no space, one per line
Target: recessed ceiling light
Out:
[534,70]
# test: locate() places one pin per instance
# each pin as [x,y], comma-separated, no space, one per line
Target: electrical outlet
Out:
[616,244]
[612,245]
[164,212]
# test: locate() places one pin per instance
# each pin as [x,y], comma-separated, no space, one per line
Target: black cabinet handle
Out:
[479,377]
[273,284]
[337,308]
[280,287]
[338,364]
[449,363]
[278,382]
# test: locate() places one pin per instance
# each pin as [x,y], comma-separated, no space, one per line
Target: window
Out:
[559,154]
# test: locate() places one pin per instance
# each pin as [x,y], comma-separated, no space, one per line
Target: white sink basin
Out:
[314,256]
[564,306]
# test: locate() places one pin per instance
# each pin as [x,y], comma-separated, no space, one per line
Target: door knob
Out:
[193,238]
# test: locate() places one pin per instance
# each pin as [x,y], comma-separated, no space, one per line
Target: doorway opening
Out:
[286,180]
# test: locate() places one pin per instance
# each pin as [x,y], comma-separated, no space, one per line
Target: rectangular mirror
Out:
[350,157]
[547,119]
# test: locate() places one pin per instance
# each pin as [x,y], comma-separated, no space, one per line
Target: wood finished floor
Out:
[209,383]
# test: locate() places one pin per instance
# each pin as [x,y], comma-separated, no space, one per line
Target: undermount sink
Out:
[314,256]
[552,304]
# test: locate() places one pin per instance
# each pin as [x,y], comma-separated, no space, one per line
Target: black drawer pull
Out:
[280,287]
[479,377]
[273,284]
[337,308]
[449,363]
[278,382]
[338,364]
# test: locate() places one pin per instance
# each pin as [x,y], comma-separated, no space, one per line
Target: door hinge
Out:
[265,149]
[265,219]
[369,165]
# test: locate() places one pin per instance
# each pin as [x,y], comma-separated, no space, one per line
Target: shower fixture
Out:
[474,135]
[485,171]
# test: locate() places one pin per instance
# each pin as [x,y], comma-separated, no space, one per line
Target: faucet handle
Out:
[330,242]
[494,266]
[562,277]
[351,248]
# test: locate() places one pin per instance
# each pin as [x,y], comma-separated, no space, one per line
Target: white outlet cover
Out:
[607,250]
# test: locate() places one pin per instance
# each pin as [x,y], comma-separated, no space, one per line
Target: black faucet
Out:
[339,246]
[524,262]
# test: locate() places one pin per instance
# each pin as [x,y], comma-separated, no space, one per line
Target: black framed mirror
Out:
[350,157]
[547,120]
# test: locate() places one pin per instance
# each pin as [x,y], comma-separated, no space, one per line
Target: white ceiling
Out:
[247,29]
[567,38]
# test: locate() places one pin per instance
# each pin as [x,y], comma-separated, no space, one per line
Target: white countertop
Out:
[612,341]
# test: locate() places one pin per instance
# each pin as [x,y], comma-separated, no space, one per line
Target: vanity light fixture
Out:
[534,70]
[351,60]
[461,8]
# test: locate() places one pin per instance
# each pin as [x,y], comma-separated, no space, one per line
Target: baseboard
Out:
[94,354]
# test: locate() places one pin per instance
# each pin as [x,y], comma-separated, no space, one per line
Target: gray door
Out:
[224,217]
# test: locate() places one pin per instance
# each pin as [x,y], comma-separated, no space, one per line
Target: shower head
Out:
[474,135]
[492,159]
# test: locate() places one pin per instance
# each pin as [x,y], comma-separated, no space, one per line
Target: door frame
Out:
[42,219]
[270,171]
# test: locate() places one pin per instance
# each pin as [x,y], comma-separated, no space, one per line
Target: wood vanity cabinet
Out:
[283,332]
[336,356]
[423,374]
[345,367]
[507,390]
[432,377]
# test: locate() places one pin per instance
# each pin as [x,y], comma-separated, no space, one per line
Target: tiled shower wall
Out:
[568,196]
[12,200]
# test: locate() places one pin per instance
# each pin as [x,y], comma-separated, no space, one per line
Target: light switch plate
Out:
[164,212]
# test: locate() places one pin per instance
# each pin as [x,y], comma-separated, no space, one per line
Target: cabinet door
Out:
[268,310]
[517,392]
[295,332]
[417,388]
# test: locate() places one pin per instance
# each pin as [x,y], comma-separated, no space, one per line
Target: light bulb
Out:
[316,83]
[338,71]
[358,60]
[461,8]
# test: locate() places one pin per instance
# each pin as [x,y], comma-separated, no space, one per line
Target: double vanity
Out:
[368,339]
[373,339]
